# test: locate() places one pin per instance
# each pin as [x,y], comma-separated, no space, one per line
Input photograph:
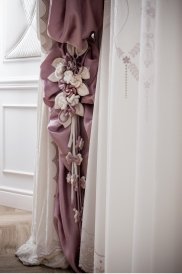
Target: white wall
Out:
[19,72]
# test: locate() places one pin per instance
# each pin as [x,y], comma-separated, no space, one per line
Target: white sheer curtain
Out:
[132,218]
[43,247]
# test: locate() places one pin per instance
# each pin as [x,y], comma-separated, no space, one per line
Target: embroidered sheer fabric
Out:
[132,219]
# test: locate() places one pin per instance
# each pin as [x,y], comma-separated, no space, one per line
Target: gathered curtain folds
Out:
[43,246]
[132,219]
[70,34]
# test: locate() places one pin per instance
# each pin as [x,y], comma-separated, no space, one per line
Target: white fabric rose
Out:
[73,100]
[59,65]
[68,75]
[84,72]
[65,120]
[59,71]
[60,101]
[79,109]
[76,80]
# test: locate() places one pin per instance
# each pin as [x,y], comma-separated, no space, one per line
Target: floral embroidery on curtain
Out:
[70,74]
[128,61]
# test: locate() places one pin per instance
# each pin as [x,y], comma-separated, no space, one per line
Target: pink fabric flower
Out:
[74,159]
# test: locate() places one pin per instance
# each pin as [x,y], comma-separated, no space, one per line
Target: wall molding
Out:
[22,59]
[19,83]
[16,198]
[18,106]
[16,191]
[6,170]
[17,172]
[21,41]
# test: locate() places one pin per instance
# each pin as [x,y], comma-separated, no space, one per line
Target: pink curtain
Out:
[69,73]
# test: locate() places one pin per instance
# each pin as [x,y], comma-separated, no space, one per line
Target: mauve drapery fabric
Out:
[71,22]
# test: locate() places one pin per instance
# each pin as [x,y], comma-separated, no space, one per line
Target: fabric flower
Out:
[69,90]
[64,118]
[77,215]
[83,182]
[68,178]
[79,109]
[79,143]
[68,75]
[74,159]
[59,71]
[85,73]
[74,181]
[60,101]
[59,65]
[76,80]
[73,100]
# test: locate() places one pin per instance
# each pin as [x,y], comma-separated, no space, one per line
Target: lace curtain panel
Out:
[132,219]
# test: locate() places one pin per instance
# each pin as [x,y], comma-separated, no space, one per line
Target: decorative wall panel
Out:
[19,142]
[19,67]
[25,43]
